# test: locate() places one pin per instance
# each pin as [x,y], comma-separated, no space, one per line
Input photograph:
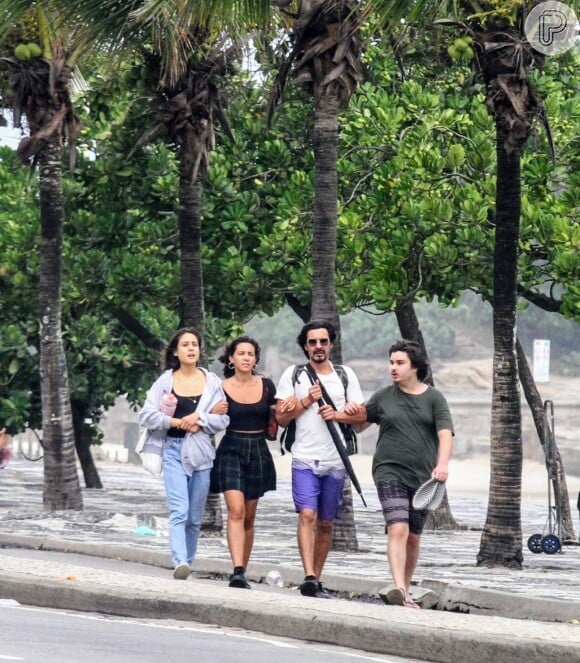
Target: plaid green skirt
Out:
[243,462]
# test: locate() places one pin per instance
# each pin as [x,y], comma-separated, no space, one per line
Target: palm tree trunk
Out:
[61,482]
[193,309]
[344,532]
[324,222]
[554,464]
[501,541]
[190,193]
[442,517]
[212,523]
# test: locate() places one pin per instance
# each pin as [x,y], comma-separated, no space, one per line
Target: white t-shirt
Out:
[313,441]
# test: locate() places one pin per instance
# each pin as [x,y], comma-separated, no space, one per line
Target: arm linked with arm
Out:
[357,410]
[287,410]
[214,423]
[355,402]
[328,413]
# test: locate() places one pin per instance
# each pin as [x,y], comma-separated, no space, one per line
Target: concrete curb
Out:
[449,597]
[203,565]
[388,635]
[455,598]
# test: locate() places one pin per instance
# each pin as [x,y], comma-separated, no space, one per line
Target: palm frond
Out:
[390,12]
[11,13]
[203,13]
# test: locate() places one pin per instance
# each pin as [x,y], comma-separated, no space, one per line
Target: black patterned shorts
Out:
[243,462]
[396,500]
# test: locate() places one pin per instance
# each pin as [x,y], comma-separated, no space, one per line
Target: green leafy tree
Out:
[20,388]
[104,358]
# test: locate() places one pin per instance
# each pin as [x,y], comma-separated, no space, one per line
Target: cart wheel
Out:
[551,544]
[535,543]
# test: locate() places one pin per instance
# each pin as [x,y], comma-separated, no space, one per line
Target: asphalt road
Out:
[38,634]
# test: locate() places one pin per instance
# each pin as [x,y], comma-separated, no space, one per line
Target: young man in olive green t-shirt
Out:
[415,442]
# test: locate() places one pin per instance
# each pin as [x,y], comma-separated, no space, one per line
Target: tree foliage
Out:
[416,178]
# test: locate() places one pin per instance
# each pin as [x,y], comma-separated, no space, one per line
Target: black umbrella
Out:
[338,443]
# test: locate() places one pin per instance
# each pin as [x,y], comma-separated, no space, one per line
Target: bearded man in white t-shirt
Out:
[318,473]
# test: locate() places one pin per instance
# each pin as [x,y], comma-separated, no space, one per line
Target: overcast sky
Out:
[9,137]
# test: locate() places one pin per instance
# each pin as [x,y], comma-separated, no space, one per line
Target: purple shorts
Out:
[321,493]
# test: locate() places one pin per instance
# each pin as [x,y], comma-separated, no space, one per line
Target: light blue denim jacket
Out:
[197,451]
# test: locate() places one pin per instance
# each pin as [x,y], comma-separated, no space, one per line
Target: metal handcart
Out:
[550,542]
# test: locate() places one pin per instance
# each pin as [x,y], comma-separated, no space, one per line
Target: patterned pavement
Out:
[131,510]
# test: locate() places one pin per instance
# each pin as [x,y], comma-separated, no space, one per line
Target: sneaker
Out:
[309,587]
[181,571]
[239,580]
[323,593]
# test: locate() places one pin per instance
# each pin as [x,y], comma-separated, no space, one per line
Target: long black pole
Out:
[343,455]
[334,434]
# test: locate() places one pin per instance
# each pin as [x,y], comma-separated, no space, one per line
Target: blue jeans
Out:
[186,498]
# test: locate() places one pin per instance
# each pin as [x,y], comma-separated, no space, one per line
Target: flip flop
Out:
[396,596]
[429,495]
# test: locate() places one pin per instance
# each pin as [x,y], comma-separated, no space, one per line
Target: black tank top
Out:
[252,416]
[185,405]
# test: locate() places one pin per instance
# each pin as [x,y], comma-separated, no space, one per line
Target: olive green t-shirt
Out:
[408,445]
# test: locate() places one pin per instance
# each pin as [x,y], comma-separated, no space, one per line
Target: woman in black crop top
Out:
[243,469]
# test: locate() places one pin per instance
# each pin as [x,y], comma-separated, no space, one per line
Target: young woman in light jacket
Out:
[184,441]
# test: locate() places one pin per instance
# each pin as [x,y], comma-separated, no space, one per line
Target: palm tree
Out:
[325,61]
[505,59]
[186,46]
[190,107]
[37,86]
[183,64]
